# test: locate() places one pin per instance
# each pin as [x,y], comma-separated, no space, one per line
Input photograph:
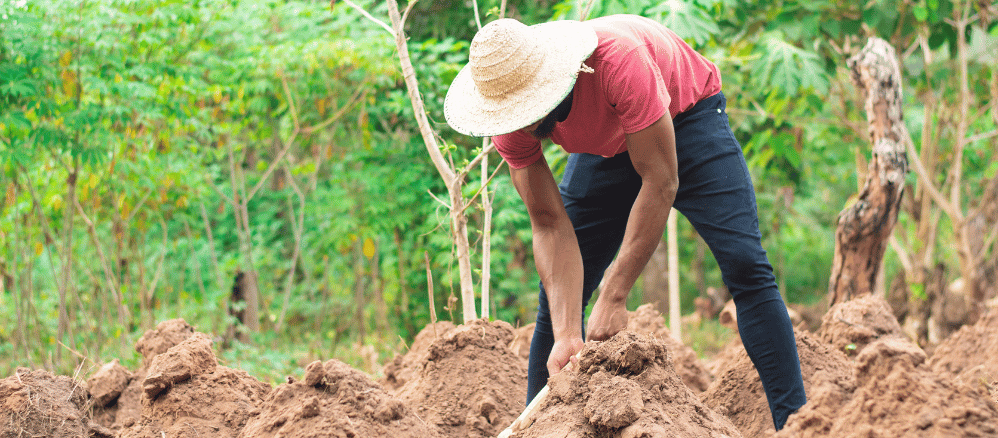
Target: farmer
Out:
[643,118]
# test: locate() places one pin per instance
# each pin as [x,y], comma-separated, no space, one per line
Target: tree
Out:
[863,228]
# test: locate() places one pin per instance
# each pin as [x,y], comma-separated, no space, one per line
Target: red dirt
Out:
[521,340]
[851,325]
[40,404]
[187,394]
[166,335]
[625,387]
[969,355]
[108,383]
[894,396]
[125,409]
[470,380]
[469,383]
[645,320]
[334,400]
[403,367]
[737,393]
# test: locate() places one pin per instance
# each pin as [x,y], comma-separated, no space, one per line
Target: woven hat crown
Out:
[503,57]
[517,74]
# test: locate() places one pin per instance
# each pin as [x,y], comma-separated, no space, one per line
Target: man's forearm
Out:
[645,226]
[559,264]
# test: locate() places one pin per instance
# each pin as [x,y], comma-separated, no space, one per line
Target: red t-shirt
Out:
[641,69]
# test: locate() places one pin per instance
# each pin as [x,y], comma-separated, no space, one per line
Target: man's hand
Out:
[609,316]
[563,351]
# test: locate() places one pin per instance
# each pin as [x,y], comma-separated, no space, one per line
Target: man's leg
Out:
[598,193]
[716,195]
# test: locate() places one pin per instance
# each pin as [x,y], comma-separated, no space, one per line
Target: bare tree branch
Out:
[368,16]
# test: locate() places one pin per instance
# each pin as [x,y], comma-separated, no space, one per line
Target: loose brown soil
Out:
[334,400]
[125,409]
[737,393]
[649,322]
[851,325]
[469,383]
[971,355]
[862,377]
[894,396]
[404,367]
[624,387]
[40,404]
[187,394]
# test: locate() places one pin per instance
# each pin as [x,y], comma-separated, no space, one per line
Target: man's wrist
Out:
[613,295]
[568,333]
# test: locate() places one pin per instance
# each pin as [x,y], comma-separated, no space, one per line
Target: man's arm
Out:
[557,256]
[653,154]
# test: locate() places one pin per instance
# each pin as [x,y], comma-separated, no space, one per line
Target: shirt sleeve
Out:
[635,88]
[518,148]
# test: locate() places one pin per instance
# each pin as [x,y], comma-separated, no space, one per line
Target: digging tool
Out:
[528,416]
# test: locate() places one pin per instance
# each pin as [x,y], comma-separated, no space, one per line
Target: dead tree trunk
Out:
[863,228]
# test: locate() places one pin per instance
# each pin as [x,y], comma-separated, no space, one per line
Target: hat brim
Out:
[567,43]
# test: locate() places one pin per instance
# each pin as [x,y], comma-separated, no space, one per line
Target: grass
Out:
[706,337]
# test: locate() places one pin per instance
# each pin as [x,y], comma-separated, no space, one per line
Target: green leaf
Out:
[920,12]
[687,19]
[789,68]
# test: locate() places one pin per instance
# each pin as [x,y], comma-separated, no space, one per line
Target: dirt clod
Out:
[469,383]
[851,325]
[187,359]
[187,394]
[108,383]
[895,397]
[647,321]
[158,340]
[738,394]
[624,387]
[38,403]
[344,403]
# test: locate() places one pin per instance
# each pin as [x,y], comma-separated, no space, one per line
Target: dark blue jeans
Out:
[716,195]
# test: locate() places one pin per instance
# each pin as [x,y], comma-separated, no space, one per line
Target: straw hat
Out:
[516,75]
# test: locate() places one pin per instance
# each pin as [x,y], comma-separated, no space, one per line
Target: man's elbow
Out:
[665,188]
[544,218]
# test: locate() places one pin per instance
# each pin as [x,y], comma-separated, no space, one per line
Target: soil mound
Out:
[737,393]
[521,340]
[166,335]
[469,383]
[187,394]
[334,400]
[851,325]
[108,383]
[121,408]
[624,387]
[969,354]
[645,320]
[403,368]
[894,396]
[38,403]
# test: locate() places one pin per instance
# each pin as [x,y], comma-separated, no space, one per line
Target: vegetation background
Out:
[254,167]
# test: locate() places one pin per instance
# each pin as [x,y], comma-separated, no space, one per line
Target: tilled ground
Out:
[863,378]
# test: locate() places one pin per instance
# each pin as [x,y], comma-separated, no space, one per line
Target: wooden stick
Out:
[429,290]
[527,417]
